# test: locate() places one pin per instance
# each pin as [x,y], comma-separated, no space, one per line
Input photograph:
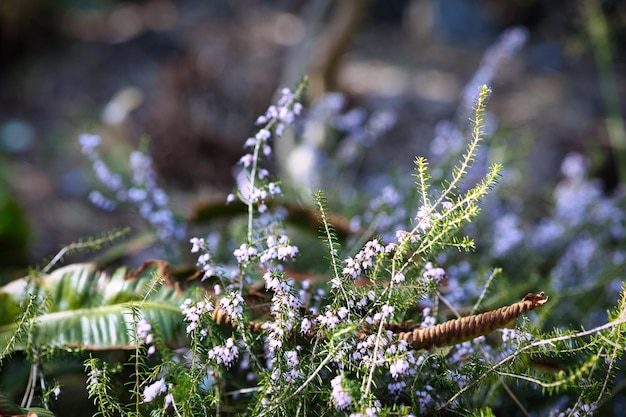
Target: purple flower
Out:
[340,397]
[226,354]
[152,391]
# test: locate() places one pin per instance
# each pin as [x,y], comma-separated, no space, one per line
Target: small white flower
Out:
[152,391]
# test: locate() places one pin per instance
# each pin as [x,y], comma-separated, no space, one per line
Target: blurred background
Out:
[193,76]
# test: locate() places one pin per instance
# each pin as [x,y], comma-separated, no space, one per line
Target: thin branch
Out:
[536,344]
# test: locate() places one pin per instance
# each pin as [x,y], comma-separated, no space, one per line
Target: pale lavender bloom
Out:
[101,201]
[507,234]
[141,167]
[278,248]
[152,391]
[428,320]
[435,273]
[396,388]
[305,326]
[364,259]
[226,354]
[144,329]
[398,277]
[285,311]
[402,236]
[244,253]
[274,283]
[425,217]
[364,351]
[204,259]
[340,396]
[399,368]
[511,340]
[92,379]
[150,200]
[169,400]
[292,358]
[425,399]
[574,166]
[89,144]
[383,315]
[197,244]
[232,304]
[579,410]
[246,160]
[262,174]
[110,180]
[292,376]
[507,45]
[329,320]
[192,313]
[263,135]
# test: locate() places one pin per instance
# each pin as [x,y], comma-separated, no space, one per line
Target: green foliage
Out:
[88,309]
[261,343]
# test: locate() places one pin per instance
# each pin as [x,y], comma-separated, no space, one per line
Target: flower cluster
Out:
[274,121]
[93,379]
[383,315]
[226,354]
[385,213]
[330,319]
[193,313]
[153,390]
[505,48]
[364,351]
[427,215]
[363,260]
[433,273]
[278,248]
[292,374]
[144,332]
[205,262]
[579,410]
[244,253]
[285,310]
[151,201]
[369,411]
[512,339]
[340,397]
[232,304]
[425,399]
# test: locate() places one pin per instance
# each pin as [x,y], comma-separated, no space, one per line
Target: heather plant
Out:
[389,331]
[411,315]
